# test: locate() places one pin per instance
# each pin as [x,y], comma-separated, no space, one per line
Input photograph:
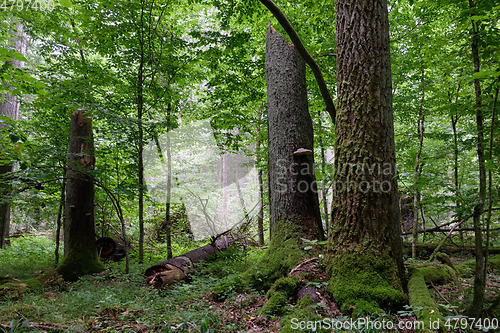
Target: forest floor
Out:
[116,302]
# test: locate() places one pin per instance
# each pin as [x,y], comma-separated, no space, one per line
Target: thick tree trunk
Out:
[365,262]
[293,193]
[80,252]
[476,307]
[293,197]
[9,106]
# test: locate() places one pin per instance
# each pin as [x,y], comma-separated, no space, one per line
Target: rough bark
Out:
[294,37]
[80,252]
[365,261]
[293,193]
[177,268]
[476,307]
[9,106]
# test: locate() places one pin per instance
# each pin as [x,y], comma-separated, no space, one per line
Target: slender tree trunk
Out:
[365,259]
[490,184]
[324,190]
[454,121]
[140,167]
[9,106]
[62,202]
[168,234]
[476,307]
[260,217]
[416,192]
[80,252]
[293,197]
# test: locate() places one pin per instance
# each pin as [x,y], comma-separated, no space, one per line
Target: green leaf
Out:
[66,3]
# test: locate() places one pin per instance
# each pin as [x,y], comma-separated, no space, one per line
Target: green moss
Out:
[284,253]
[78,263]
[437,274]
[362,284]
[280,294]
[420,299]
[289,285]
[277,304]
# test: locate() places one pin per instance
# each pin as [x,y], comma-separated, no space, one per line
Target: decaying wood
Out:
[176,269]
[111,248]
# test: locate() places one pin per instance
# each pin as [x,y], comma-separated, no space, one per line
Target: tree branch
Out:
[330,107]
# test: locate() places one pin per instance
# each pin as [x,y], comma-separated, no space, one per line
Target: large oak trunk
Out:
[366,263]
[80,252]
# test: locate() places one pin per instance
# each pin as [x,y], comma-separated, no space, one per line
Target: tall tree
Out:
[365,259]
[418,165]
[80,251]
[476,306]
[293,199]
[9,107]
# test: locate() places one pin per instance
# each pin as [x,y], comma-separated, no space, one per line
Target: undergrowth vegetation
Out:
[113,301]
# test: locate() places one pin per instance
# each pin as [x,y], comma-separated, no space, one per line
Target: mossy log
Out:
[173,270]
[430,247]
[111,248]
[427,312]
[437,273]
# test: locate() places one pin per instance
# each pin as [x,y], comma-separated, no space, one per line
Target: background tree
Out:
[80,251]
[9,107]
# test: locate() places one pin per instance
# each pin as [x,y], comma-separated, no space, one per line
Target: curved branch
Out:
[330,107]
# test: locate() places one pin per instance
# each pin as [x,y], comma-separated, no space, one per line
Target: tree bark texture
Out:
[80,252]
[9,107]
[292,187]
[366,246]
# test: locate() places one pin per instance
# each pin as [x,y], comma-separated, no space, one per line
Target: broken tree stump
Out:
[111,248]
[173,270]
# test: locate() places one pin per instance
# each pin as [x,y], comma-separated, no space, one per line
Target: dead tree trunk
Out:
[80,252]
[293,197]
[173,270]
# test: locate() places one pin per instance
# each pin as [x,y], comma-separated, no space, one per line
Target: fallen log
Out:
[449,249]
[111,248]
[173,270]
